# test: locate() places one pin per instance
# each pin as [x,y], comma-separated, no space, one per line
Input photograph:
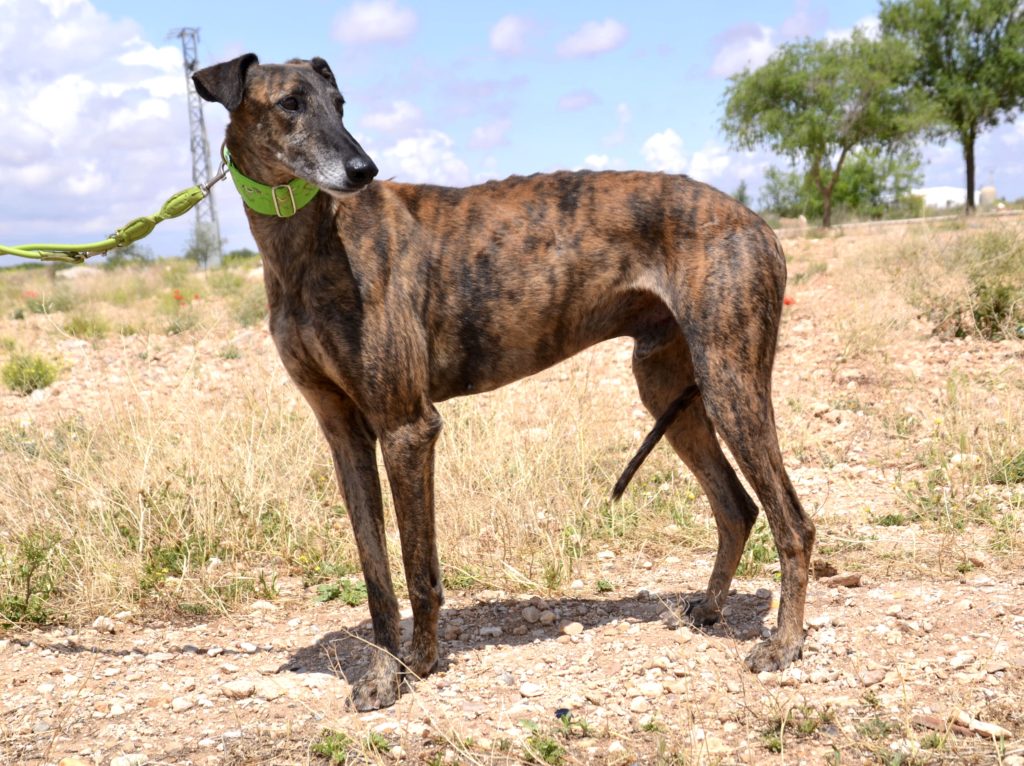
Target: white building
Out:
[943,197]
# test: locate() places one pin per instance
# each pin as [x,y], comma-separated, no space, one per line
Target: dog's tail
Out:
[660,427]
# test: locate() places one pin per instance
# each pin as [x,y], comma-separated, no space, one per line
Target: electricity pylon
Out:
[207,236]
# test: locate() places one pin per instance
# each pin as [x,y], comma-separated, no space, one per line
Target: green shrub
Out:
[87,326]
[25,373]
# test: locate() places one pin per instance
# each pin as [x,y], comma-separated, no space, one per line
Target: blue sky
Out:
[93,124]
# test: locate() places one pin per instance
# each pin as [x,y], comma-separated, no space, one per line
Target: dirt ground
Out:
[907,625]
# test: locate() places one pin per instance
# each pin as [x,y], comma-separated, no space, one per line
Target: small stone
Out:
[531,614]
[181,704]
[45,688]
[572,629]
[248,648]
[104,624]
[651,689]
[238,689]
[134,759]
[819,621]
[397,752]
[616,748]
[264,606]
[872,677]
[547,617]
[639,705]
[576,585]
[843,581]
[451,632]
[530,689]
[893,610]
[605,555]
[961,659]
[490,631]
[213,651]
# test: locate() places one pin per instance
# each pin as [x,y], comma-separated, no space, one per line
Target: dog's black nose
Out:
[360,170]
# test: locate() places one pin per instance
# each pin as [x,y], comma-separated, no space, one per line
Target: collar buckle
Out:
[277,201]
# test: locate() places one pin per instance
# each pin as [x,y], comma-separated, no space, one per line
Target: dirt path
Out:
[258,687]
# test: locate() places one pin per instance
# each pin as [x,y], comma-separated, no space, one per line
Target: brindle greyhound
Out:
[388,297]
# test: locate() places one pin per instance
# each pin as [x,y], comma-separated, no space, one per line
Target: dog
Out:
[388,297]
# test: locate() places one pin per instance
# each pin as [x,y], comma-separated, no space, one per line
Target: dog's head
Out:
[286,122]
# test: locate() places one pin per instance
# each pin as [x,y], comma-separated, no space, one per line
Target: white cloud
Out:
[748,45]
[508,35]
[95,126]
[664,151]
[400,117]
[490,135]
[596,161]
[869,25]
[577,99]
[427,157]
[374,21]
[710,163]
[594,37]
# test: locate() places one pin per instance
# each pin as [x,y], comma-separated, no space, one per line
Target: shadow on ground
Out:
[347,652]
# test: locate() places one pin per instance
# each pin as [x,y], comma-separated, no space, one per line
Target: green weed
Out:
[25,373]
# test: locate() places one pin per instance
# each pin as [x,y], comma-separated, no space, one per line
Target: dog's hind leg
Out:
[352,444]
[408,448]
[735,383]
[663,368]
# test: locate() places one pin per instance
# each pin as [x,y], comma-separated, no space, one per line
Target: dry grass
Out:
[197,502]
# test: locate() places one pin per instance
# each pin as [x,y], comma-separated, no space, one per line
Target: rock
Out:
[572,629]
[269,688]
[616,748]
[989,730]
[651,689]
[452,632]
[547,617]
[490,631]
[181,704]
[264,606]
[75,761]
[893,609]
[605,555]
[843,581]
[639,705]
[872,677]
[135,759]
[104,625]
[961,659]
[213,651]
[531,614]
[248,648]
[530,689]
[576,585]
[238,689]
[819,621]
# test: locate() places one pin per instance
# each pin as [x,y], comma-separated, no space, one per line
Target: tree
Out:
[815,101]
[968,63]
[741,194]
[873,183]
[202,244]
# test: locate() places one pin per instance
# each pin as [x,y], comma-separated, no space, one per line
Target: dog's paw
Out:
[772,655]
[379,688]
[421,660]
[702,612]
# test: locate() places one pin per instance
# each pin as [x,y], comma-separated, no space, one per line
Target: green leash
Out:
[282,201]
[133,231]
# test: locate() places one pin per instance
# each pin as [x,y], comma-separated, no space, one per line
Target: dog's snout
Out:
[360,170]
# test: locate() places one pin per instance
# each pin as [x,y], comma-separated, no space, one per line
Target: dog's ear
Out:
[225,83]
[321,68]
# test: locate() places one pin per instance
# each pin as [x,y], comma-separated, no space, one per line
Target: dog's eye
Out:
[289,104]
[339,107]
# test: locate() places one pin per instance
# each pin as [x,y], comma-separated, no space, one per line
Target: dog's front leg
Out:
[408,449]
[352,443]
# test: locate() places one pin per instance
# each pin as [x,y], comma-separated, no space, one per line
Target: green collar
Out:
[282,201]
